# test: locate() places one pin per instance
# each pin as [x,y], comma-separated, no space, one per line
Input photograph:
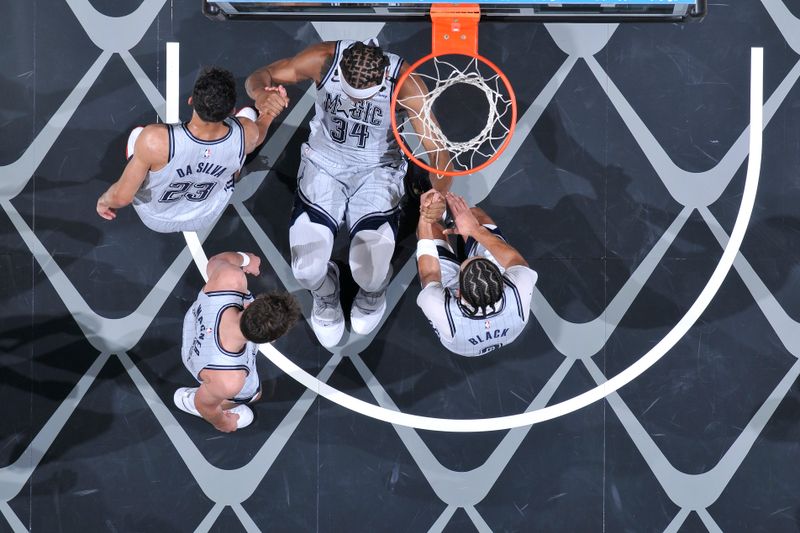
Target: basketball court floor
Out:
[621,188]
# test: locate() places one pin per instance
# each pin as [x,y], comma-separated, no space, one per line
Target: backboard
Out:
[543,10]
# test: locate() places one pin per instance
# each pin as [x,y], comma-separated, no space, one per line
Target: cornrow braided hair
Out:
[481,286]
[363,65]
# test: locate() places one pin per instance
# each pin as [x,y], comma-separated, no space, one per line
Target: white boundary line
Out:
[476,425]
[173,81]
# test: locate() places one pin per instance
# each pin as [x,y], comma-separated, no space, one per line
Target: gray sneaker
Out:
[367,311]
[327,318]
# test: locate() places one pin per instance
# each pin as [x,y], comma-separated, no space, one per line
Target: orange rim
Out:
[422,164]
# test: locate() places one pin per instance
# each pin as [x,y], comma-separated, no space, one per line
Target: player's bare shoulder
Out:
[153,145]
[316,60]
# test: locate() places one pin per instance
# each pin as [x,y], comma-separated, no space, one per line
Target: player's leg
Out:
[184,397]
[318,210]
[372,217]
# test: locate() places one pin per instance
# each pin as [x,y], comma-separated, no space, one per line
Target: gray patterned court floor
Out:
[620,187]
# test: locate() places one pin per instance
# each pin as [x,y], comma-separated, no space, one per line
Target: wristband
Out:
[245,259]
[247,112]
[427,247]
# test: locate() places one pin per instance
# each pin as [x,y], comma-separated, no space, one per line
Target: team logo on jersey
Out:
[207,152]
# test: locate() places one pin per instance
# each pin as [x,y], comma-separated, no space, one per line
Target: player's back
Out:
[470,334]
[202,347]
[190,192]
[355,134]
[479,335]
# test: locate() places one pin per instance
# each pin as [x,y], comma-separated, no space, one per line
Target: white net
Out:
[422,130]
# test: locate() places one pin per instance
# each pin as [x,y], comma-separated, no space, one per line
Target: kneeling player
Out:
[478,303]
[221,333]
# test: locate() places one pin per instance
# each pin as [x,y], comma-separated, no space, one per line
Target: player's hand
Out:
[466,223]
[228,424]
[108,213]
[253,268]
[272,101]
[432,206]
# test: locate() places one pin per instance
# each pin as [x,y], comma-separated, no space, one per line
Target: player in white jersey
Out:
[221,333]
[482,302]
[351,170]
[181,176]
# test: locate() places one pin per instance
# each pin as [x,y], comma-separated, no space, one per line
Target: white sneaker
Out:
[184,400]
[367,311]
[327,317]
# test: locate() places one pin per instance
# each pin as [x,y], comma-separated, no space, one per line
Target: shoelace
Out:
[328,302]
[371,298]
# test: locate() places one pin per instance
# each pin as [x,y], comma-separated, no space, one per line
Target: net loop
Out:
[427,142]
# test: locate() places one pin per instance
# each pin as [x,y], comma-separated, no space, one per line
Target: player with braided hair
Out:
[481,285]
[351,171]
[482,302]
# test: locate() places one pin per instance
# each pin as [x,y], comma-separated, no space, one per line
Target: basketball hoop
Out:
[453,65]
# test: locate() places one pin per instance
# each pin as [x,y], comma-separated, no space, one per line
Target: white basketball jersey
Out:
[201,344]
[351,133]
[479,335]
[191,191]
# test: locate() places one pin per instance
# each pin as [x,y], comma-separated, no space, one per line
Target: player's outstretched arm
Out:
[226,271]
[151,151]
[255,124]
[428,230]
[467,225]
[216,388]
[412,95]
[310,64]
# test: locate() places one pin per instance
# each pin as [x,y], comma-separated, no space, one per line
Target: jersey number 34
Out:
[359,131]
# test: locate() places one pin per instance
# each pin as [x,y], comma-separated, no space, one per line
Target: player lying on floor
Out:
[180,177]
[479,302]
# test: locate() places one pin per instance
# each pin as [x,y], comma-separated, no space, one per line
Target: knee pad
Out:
[311,246]
[371,253]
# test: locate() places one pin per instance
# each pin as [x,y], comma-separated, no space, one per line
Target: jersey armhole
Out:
[217,339]
[394,76]
[334,65]
[171,135]
[242,152]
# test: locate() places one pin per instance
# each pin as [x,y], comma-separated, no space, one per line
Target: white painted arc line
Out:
[476,425]
[173,83]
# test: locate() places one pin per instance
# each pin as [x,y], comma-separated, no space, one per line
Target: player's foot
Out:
[367,311]
[327,318]
[184,400]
